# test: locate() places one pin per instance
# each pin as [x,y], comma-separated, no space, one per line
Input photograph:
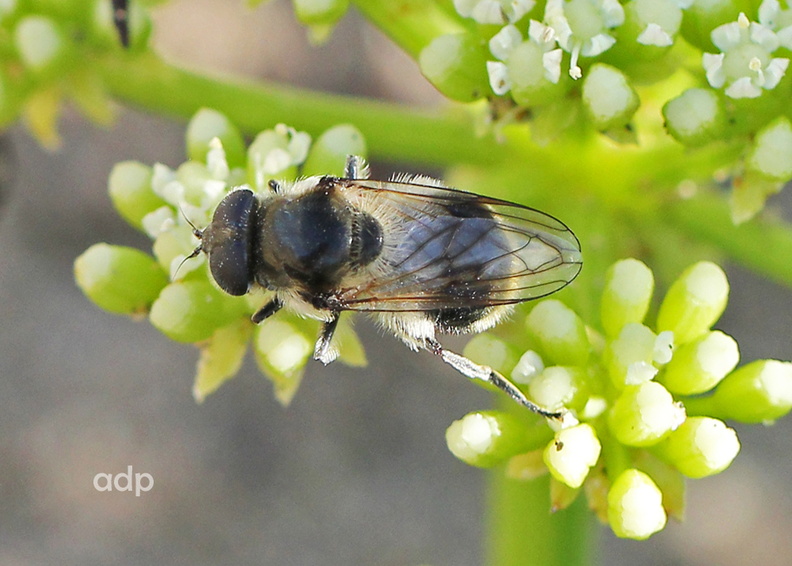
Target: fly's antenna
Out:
[198,234]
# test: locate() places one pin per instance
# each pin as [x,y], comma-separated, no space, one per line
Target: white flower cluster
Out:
[745,66]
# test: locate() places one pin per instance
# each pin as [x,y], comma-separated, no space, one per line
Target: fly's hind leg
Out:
[473,370]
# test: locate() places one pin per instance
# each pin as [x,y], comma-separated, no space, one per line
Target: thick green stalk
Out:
[522,530]
[391,131]
[411,24]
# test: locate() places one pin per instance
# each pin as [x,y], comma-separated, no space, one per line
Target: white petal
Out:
[655,35]
[541,34]
[684,4]
[613,13]
[465,7]
[597,44]
[768,12]
[519,8]
[743,88]
[713,65]
[785,37]
[498,77]
[551,61]
[764,37]
[727,36]
[488,12]
[775,71]
[504,41]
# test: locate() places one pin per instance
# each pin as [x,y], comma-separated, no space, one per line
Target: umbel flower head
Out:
[179,297]
[647,403]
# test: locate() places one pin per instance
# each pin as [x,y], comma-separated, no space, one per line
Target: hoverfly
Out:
[422,258]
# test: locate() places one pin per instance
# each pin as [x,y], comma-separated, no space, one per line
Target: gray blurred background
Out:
[356,470]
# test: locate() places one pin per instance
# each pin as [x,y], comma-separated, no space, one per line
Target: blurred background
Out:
[356,470]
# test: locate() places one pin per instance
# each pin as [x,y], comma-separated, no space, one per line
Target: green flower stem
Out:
[411,24]
[391,131]
[762,245]
[522,530]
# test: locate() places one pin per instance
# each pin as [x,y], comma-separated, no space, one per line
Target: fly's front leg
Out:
[473,370]
[324,350]
[267,311]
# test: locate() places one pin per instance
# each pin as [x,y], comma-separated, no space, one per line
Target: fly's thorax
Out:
[314,240]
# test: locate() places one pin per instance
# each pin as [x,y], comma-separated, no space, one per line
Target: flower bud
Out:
[758,392]
[221,357]
[487,438]
[41,43]
[275,154]
[572,453]
[320,12]
[528,367]
[644,414]
[191,311]
[490,351]
[609,99]
[699,366]
[119,279]
[700,447]
[207,124]
[695,117]
[560,332]
[771,153]
[628,291]
[456,64]
[328,154]
[130,190]
[635,506]
[629,357]
[534,74]
[560,387]
[694,302]
[703,16]
[281,352]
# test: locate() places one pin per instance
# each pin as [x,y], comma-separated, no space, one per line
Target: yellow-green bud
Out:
[281,352]
[560,332]
[644,414]
[694,302]
[771,153]
[699,366]
[560,387]
[629,356]
[487,438]
[221,357]
[119,279]
[456,65]
[700,447]
[572,453]
[629,285]
[130,190]
[758,392]
[329,152]
[609,99]
[208,124]
[635,506]
[191,311]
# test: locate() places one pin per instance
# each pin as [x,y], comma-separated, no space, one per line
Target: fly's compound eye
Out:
[227,240]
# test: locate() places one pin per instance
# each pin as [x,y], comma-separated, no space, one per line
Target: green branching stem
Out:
[391,131]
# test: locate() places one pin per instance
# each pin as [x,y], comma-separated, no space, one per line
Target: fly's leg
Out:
[356,168]
[324,351]
[266,311]
[475,371]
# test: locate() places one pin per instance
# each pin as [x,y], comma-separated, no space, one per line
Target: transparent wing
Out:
[445,248]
